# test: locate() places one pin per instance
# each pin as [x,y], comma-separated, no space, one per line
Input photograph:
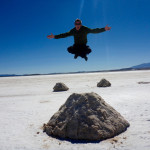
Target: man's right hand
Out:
[50,36]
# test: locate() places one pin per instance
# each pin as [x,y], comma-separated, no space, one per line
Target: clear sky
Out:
[24,25]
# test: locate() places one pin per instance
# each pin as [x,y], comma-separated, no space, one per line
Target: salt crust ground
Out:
[28,102]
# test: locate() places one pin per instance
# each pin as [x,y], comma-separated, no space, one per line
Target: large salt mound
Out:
[86,117]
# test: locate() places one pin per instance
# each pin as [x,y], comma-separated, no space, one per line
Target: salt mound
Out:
[60,87]
[86,117]
[104,83]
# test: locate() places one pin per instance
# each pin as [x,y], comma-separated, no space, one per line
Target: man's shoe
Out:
[86,58]
[75,56]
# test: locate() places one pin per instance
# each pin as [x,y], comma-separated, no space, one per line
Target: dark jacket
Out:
[80,37]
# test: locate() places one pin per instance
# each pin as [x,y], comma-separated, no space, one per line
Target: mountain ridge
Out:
[143,66]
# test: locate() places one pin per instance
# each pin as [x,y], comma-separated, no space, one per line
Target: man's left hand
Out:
[107,28]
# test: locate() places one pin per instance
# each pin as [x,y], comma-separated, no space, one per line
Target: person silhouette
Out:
[80,38]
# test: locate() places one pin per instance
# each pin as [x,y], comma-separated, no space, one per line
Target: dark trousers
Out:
[79,50]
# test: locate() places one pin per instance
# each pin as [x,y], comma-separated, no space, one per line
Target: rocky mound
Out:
[104,83]
[86,117]
[60,87]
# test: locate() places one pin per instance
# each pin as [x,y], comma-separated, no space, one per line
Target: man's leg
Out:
[72,50]
[85,51]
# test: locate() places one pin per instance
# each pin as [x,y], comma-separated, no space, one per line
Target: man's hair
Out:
[78,20]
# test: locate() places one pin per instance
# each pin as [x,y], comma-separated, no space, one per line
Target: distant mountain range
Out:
[144,66]
[8,75]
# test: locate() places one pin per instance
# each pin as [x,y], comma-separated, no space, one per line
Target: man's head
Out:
[78,24]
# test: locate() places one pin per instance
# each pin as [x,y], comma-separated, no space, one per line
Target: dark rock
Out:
[85,117]
[60,87]
[104,83]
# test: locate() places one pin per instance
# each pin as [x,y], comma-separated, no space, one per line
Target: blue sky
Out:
[24,25]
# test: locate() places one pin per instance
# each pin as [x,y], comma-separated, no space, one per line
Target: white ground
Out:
[28,102]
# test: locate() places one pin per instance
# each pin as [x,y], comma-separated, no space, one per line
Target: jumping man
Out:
[80,38]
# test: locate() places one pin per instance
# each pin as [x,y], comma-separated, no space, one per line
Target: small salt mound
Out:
[60,87]
[104,83]
[86,117]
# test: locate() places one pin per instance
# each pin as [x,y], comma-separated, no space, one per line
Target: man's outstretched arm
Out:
[99,30]
[63,35]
